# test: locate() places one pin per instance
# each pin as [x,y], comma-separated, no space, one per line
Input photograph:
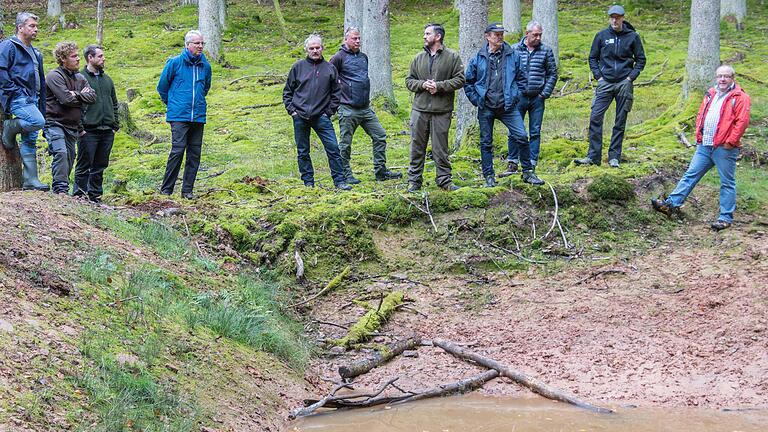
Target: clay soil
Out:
[683,324]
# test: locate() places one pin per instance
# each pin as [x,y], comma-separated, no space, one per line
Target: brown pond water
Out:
[490,414]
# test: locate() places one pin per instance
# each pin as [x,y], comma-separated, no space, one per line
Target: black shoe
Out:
[95,199]
[166,193]
[187,195]
[413,188]
[490,182]
[720,225]
[352,179]
[530,177]
[343,187]
[664,207]
[585,161]
[388,175]
[450,187]
[511,169]
[309,184]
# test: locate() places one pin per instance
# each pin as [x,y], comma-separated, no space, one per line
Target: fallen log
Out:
[331,285]
[534,384]
[372,320]
[362,366]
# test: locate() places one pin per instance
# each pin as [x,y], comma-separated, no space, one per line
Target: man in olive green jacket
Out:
[435,75]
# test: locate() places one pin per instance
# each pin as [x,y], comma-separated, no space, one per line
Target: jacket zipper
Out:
[194,80]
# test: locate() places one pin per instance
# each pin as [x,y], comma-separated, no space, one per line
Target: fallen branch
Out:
[372,320]
[661,71]
[299,261]
[331,285]
[429,212]
[680,132]
[535,385]
[426,212]
[261,105]
[557,208]
[601,272]
[362,366]
[261,75]
[301,412]
[462,386]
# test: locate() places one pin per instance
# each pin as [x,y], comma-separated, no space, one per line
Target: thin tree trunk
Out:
[703,47]
[511,19]
[376,46]
[736,9]
[100,23]
[187,2]
[473,18]
[223,14]
[353,15]
[55,11]
[545,12]
[281,19]
[210,27]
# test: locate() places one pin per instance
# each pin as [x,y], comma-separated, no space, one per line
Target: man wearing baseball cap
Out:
[616,59]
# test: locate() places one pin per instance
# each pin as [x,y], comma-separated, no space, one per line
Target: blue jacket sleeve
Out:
[166,78]
[208,77]
[470,78]
[7,85]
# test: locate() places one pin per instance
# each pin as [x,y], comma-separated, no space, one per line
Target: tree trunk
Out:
[223,14]
[511,14]
[100,23]
[281,19]
[545,12]
[54,11]
[473,18]
[736,9]
[10,166]
[353,14]
[187,2]
[703,47]
[376,46]
[210,27]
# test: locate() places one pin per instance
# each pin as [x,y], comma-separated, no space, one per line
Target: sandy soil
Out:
[686,324]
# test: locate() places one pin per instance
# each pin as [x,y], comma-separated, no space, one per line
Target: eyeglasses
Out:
[724,76]
[197,43]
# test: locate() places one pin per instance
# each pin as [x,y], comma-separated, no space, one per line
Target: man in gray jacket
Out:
[355,107]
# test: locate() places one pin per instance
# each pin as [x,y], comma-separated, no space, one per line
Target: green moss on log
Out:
[372,320]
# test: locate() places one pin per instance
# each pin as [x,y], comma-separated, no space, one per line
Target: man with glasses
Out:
[722,119]
[183,86]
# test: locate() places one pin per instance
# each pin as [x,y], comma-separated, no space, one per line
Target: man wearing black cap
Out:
[616,59]
[491,87]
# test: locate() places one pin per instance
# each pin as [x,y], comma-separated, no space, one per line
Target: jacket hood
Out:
[346,49]
[625,29]
[192,59]
[18,42]
[732,92]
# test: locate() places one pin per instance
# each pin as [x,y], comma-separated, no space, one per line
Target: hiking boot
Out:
[613,163]
[530,177]
[720,225]
[343,187]
[309,184]
[11,128]
[490,182]
[511,169]
[29,174]
[585,161]
[662,206]
[450,187]
[187,195]
[351,179]
[413,188]
[388,175]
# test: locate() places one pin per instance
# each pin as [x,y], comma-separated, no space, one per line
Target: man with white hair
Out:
[22,94]
[311,96]
[183,86]
[722,119]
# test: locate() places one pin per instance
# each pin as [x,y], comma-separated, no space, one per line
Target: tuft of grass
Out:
[98,267]
[608,187]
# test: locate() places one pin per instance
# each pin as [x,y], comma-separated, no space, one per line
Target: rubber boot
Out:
[11,128]
[29,173]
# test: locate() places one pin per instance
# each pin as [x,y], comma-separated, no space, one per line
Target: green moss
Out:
[608,187]
[372,320]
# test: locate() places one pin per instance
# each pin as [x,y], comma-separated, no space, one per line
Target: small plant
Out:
[98,268]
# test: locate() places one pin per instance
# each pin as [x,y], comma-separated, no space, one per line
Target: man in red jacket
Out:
[723,117]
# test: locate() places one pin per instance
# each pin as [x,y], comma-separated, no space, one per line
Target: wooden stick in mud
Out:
[362,366]
[535,385]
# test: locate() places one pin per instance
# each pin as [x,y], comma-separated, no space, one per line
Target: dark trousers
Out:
[324,129]
[423,126]
[534,107]
[605,93]
[349,119]
[185,137]
[93,151]
[62,143]
[515,128]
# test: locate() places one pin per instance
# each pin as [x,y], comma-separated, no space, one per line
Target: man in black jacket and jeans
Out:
[311,96]
[100,122]
[536,79]
[616,59]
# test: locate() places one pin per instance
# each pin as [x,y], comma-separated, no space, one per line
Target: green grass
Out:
[98,267]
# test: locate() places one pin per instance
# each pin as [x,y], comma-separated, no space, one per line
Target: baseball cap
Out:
[495,27]
[616,10]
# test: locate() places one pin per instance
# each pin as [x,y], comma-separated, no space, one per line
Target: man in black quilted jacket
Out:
[616,59]
[536,79]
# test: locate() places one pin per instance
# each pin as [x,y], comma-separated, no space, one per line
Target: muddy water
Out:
[475,413]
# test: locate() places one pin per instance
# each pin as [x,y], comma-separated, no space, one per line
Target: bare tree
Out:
[100,22]
[54,11]
[353,14]
[545,12]
[210,26]
[736,9]
[703,46]
[376,46]
[511,18]
[473,18]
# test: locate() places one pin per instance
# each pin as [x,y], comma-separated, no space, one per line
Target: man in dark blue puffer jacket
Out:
[616,59]
[536,79]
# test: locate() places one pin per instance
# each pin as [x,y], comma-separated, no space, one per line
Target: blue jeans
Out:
[516,129]
[26,110]
[703,160]
[324,129]
[534,106]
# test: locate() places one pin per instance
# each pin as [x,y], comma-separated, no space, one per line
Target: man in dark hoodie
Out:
[616,59]
[67,92]
[491,86]
[355,109]
[22,94]
[311,96]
